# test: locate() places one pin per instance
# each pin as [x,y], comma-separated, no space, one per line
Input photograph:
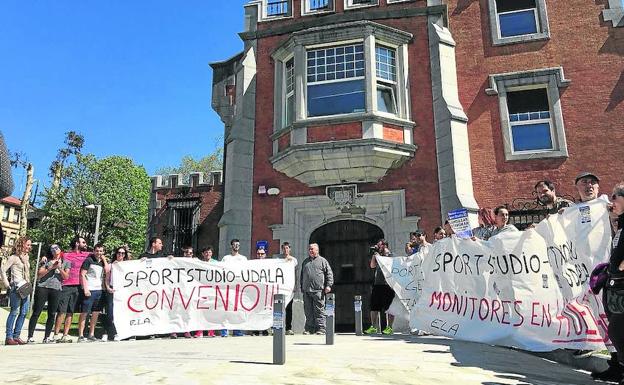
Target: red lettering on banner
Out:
[496,305]
[169,300]
[130,299]
[225,302]
[519,313]
[200,297]
[505,312]
[147,306]
[242,303]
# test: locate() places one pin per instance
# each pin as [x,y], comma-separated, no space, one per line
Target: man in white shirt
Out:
[234,256]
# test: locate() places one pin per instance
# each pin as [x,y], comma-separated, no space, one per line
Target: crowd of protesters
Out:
[80,281]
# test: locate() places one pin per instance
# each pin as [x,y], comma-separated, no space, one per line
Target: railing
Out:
[526,211]
[277,8]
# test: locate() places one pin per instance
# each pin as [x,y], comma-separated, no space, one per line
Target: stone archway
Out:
[346,246]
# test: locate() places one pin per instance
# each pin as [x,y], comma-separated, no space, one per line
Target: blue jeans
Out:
[15,320]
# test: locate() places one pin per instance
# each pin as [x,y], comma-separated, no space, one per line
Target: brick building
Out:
[348,120]
[183,214]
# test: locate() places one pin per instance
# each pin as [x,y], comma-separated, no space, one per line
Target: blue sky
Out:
[131,76]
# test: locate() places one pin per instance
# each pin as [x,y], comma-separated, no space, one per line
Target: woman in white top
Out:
[19,268]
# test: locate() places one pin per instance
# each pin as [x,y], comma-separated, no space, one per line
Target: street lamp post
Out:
[97,221]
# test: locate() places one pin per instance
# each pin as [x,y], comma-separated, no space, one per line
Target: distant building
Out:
[184,214]
[10,214]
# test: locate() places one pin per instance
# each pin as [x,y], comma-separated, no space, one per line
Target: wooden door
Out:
[346,245]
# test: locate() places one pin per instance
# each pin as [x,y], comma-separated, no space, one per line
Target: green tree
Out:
[188,164]
[117,184]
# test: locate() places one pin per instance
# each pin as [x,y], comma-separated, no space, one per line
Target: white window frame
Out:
[263,11]
[350,4]
[535,17]
[306,10]
[397,1]
[307,84]
[386,83]
[287,94]
[541,22]
[549,120]
[552,79]
[368,33]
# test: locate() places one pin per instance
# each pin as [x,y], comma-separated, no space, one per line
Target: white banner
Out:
[527,289]
[159,296]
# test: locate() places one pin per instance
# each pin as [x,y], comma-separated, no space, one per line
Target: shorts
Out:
[92,302]
[68,299]
[381,297]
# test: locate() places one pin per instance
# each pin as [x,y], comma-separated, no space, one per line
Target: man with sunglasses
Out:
[70,291]
[234,256]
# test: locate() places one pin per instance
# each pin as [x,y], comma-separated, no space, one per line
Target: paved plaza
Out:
[399,359]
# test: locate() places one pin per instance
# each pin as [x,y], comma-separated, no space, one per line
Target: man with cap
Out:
[586,184]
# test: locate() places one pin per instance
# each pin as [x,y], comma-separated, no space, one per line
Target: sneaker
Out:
[199,334]
[82,339]
[238,333]
[306,333]
[612,374]
[93,339]
[211,333]
[387,331]
[105,338]
[187,335]
[265,333]
[48,341]
[64,340]
[30,340]
[116,338]
[133,338]
[371,330]
[224,333]
[320,333]
[290,332]
[173,336]
[152,337]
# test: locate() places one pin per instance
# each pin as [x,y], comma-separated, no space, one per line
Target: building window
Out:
[16,216]
[531,113]
[317,6]
[360,3]
[5,214]
[385,63]
[516,21]
[614,13]
[277,8]
[343,73]
[289,96]
[529,120]
[335,79]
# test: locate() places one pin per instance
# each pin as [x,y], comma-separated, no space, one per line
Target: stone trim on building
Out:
[553,79]
[303,215]
[451,129]
[615,13]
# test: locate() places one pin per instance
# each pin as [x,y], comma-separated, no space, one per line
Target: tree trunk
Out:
[26,200]
[56,176]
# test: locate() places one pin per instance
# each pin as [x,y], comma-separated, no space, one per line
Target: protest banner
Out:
[185,294]
[525,289]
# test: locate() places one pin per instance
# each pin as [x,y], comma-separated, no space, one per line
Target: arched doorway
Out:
[346,246]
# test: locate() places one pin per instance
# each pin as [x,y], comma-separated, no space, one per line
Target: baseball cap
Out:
[585,174]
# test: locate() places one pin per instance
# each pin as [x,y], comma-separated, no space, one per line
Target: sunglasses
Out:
[121,252]
[55,248]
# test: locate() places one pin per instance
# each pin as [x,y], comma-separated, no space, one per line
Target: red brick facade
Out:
[589,51]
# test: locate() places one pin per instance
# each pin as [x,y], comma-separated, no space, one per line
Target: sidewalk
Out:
[39,329]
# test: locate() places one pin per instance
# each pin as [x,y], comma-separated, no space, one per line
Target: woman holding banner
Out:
[121,254]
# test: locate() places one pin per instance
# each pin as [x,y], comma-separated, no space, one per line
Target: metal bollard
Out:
[330,311]
[279,333]
[357,305]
